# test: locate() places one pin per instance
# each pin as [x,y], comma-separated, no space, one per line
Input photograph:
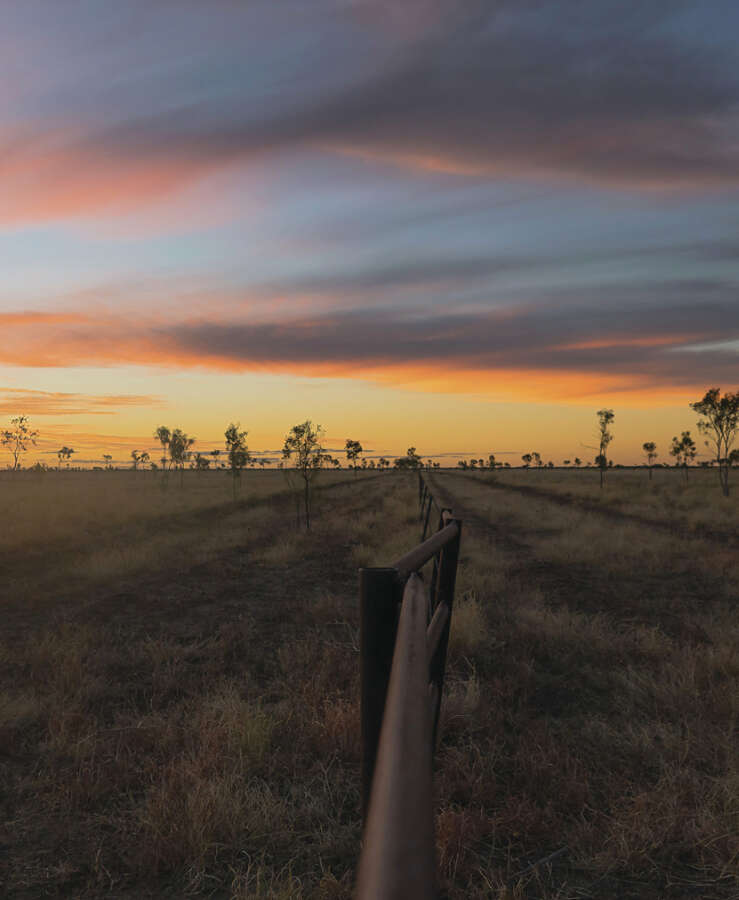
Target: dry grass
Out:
[666,498]
[181,719]
[608,698]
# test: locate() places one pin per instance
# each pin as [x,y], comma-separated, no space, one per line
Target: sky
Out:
[463,226]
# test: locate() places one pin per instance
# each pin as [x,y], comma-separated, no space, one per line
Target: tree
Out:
[237,452]
[414,460]
[18,438]
[605,417]
[577,461]
[64,453]
[202,463]
[491,461]
[537,459]
[719,425]
[565,462]
[163,435]
[650,451]
[684,451]
[353,450]
[411,460]
[462,464]
[473,463]
[179,450]
[382,463]
[108,460]
[304,449]
[526,459]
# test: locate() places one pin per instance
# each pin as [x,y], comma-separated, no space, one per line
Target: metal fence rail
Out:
[403,646]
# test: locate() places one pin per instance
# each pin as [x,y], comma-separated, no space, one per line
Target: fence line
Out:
[403,646]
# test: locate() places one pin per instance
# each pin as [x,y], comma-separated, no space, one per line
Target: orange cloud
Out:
[16,401]
[48,178]
[452,355]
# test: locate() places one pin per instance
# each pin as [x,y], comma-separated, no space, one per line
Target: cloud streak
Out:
[636,341]
[23,401]
[618,94]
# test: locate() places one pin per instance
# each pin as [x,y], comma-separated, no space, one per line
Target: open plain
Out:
[179,696]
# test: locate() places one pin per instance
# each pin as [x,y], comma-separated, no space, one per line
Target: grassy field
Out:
[178,705]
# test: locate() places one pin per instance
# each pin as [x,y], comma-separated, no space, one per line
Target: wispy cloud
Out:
[558,346]
[621,94]
[22,401]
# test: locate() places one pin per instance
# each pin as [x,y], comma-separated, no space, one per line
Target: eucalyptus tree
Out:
[605,418]
[201,462]
[164,436]
[179,450]
[684,451]
[719,425]
[18,438]
[237,453]
[353,450]
[650,451]
[303,448]
[64,453]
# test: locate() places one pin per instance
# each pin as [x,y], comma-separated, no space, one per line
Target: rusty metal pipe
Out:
[398,859]
[421,554]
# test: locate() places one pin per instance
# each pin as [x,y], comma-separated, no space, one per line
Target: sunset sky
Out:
[462,225]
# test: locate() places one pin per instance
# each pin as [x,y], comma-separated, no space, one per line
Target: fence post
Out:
[445,581]
[379,596]
[433,599]
[427,517]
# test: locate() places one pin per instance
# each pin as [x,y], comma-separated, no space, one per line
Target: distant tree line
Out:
[718,423]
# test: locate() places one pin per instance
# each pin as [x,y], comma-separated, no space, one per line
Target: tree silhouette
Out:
[202,463]
[108,460]
[577,461]
[526,459]
[650,451]
[237,452]
[179,450]
[304,449]
[18,438]
[163,435]
[684,451]
[719,425]
[353,450]
[605,417]
[64,453]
